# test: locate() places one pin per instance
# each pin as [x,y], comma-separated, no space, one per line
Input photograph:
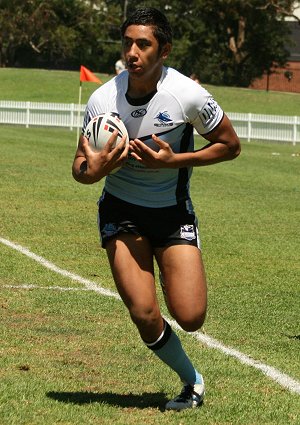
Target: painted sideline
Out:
[281,378]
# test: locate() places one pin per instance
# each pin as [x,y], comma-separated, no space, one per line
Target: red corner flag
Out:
[87,75]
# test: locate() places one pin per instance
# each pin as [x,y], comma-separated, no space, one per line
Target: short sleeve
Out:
[208,116]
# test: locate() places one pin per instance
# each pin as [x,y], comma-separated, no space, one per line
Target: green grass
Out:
[62,86]
[39,85]
[73,357]
[234,99]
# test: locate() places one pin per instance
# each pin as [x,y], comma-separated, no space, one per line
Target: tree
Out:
[58,34]
[249,38]
[237,41]
[229,42]
[30,29]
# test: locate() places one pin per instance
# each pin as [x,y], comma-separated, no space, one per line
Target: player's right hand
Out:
[102,163]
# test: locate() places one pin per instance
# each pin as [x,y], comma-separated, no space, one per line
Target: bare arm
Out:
[224,145]
[90,167]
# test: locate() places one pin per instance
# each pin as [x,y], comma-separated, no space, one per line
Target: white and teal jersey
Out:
[178,106]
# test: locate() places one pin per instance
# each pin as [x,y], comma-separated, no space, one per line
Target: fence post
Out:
[295,131]
[27,114]
[72,116]
[249,127]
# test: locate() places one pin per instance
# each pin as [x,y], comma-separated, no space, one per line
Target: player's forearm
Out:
[210,154]
[217,152]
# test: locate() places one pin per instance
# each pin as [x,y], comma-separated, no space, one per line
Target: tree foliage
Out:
[244,39]
[227,42]
[58,33]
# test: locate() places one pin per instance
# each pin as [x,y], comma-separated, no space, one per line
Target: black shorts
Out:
[175,225]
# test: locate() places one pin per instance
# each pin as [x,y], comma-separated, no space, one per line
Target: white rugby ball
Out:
[100,128]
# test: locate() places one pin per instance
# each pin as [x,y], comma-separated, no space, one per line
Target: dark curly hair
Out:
[150,16]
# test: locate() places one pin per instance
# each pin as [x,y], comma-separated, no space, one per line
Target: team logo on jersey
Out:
[208,112]
[138,113]
[187,232]
[164,120]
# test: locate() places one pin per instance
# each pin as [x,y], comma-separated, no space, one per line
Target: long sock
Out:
[169,349]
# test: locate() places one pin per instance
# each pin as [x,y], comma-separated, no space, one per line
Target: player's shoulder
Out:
[104,88]
[109,90]
[182,86]
[171,74]
[195,102]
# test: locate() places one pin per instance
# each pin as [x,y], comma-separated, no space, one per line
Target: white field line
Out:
[55,288]
[281,378]
[87,283]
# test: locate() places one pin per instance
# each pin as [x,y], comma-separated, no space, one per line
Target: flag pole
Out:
[78,111]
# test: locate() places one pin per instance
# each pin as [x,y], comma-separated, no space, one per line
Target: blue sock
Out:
[169,349]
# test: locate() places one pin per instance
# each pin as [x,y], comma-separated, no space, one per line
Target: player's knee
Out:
[144,316]
[191,323]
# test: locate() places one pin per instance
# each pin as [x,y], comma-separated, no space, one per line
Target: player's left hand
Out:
[164,158]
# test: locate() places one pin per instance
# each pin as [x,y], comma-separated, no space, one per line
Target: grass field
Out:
[40,85]
[69,354]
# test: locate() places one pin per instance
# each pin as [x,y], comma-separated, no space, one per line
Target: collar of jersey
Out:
[140,100]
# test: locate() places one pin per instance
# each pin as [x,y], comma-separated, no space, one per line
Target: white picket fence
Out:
[266,127]
[248,126]
[68,115]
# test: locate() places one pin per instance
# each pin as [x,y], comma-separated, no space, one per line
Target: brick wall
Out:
[279,81]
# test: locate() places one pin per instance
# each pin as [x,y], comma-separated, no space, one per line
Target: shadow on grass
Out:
[140,401]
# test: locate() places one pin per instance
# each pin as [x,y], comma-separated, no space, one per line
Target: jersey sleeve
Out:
[208,116]
[200,108]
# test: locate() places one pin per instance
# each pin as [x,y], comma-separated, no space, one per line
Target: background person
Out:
[119,66]
[195,78]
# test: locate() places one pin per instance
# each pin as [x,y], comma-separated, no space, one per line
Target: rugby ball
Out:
[100,128]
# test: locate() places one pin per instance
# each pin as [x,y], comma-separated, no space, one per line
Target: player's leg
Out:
[131,261]
[184,281]
[185,292]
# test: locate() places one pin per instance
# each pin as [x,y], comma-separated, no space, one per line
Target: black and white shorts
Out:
[175,225]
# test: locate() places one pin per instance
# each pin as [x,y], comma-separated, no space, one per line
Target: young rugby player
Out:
[145,210]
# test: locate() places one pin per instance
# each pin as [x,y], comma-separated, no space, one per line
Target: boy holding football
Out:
[145,210]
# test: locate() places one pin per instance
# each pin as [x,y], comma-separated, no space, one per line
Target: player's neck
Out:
[143,86]
[137,92]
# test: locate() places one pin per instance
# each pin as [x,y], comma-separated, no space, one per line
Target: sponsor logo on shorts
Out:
[187,232]
[109,229]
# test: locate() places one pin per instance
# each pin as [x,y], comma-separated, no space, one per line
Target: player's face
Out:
[141,51]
